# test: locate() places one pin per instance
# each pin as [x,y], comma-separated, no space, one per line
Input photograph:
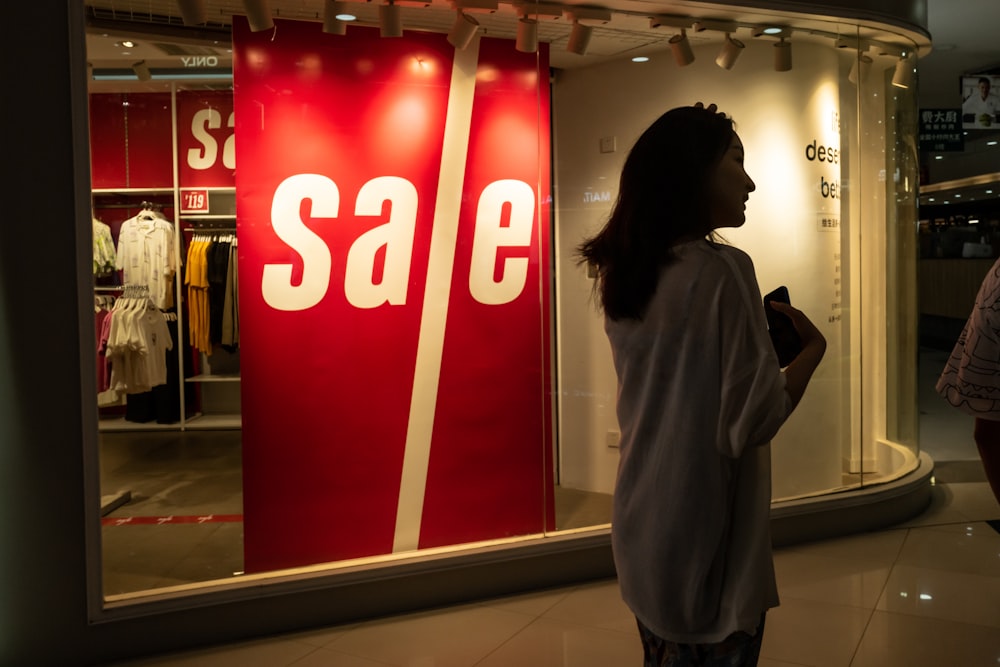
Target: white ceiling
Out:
[963,34]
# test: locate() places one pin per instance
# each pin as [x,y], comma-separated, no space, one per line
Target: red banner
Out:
[392,203]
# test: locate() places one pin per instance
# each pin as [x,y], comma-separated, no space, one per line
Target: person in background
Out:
[700,394]
[970,380]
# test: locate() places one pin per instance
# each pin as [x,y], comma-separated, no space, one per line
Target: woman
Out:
[970,380]
[700,394]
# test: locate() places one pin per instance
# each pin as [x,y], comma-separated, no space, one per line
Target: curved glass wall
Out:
[419,369]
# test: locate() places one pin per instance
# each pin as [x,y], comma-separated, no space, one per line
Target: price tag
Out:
[194,201]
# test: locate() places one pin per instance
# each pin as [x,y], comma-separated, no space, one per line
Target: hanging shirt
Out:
[146,256]
[104,249]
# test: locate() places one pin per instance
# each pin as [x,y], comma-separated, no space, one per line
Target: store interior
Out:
[172,498]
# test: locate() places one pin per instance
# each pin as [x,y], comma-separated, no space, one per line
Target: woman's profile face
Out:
[729,188]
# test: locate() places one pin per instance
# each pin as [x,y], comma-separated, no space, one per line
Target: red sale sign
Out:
[393,213]
[206,140]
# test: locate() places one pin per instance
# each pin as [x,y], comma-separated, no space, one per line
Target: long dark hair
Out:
[662,198]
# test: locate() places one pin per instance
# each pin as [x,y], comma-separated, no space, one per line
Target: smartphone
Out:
[784,337]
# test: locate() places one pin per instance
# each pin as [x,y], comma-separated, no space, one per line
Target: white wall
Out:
[794,233]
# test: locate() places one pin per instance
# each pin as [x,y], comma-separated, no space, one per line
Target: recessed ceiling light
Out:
[930,199]
[958,196]
[346,17]
[640,59]
[772,31]
[991,143]
[128,43]
[938,157]
[989,192]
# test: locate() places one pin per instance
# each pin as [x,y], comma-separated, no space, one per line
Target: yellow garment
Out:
[196,279]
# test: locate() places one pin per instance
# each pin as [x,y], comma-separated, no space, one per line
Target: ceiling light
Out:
[640,59]
[390,20]
[463,30]
[681,47]
[527,35]
[192,11]
[258,15]
[901,77]
[782,56]
[938,157]
[579,38]
[859,69]
[335,16]
[991,143]
[142,71]
[731,50]
[773,30]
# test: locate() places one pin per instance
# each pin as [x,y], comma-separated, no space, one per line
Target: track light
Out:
[681,48]
[141,70]
[258,15]
[527,35]
[192,11]
[782,56]
[390,20]
[901,77]
[859,69]
[335,17]
[463,30]
[731,50]
[579,38]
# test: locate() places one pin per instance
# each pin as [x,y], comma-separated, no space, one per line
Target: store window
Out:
[357,256]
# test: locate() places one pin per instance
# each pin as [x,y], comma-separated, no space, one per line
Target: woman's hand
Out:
[808,332]
[799,372]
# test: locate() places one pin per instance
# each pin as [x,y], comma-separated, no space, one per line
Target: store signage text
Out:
[504,219]
[200,61]
[816,153]
[207,155]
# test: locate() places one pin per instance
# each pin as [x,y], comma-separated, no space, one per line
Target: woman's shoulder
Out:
[724,258]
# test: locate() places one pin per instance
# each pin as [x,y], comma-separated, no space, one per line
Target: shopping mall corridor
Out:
[925,593]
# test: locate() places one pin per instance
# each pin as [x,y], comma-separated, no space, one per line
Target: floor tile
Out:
[456,637]
[813,633]
[258,653]
[823,579]
[550,642]
[534,603]
[955,596]
[323,657]
[900,640]
[879,549]
[971,548]
[597,605]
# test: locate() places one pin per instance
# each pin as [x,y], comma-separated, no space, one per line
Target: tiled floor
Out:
[924,593]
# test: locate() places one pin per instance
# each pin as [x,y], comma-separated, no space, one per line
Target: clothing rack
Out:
[135,292]
[210,227]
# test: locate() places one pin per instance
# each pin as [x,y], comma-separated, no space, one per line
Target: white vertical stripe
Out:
[430,343]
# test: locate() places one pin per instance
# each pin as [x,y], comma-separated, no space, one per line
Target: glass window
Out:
[352,259]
